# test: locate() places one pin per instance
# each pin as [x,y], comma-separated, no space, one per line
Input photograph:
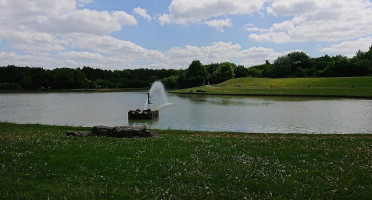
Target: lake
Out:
[192,112]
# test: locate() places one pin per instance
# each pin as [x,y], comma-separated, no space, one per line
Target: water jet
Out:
[156,97]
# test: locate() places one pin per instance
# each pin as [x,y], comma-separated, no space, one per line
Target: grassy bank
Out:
[338,87]
[39,162]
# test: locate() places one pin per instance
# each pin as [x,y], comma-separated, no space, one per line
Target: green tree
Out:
[298,59]
[63,78]
[26,82]
[211,68]
[170,82]
[281,67]
[80,79]
[224,72]
[300,72]
[196,74]
[240,71]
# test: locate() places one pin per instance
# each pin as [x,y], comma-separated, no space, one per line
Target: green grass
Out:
[340,87]
[40,162]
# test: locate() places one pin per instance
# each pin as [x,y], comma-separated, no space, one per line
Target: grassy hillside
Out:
[40,162]
[341,86]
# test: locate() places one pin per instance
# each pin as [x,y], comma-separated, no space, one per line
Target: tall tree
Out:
[281,67]
[224,72]
[240,71]
[196,74]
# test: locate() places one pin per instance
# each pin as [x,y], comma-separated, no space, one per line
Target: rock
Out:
[105,131]
[152,134]
[130,131]
[123,131]
[77,133]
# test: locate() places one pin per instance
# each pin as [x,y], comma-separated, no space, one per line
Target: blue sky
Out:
[127,34]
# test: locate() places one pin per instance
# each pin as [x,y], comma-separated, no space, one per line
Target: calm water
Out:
[215,113]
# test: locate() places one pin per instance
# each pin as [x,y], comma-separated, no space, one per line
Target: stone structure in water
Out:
[145,114]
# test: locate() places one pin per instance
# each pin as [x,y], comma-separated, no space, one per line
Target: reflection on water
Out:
[193,112]
[136,122]
[221,100]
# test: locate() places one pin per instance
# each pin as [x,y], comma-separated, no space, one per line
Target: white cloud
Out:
[87,21]
[117,54]
[331,20]
[219,24]
[78,59]
[34,25]
[45,29]
[197,11]
[60,33]
[31,41]
[349,47]
[142,13]
[292,7]
[221,52]
[112,46]
[11,58]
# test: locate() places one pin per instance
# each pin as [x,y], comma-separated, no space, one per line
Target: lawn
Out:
[40,162]
[337,87]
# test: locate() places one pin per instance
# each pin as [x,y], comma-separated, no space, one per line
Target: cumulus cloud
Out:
[331,20]
[221,52]
[197,11]
[63,33]
[111,53]
[86,21]
[219,24]
[31,41]
[44,30]
[33,25]
[61,17]
[84,58]
[349,47]
[11,58]
[111,46]
[142,13]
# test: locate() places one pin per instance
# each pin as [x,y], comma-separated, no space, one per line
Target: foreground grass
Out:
[341,87]
[39,162]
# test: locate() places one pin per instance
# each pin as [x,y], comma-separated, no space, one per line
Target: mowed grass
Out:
[40,162]
[340,86]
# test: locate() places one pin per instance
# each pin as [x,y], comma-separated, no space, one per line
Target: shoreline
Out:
[199,133]
[367,97]
[275,95]
[76,90]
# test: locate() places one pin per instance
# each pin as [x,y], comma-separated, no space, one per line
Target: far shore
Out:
[339,87]
[263,94]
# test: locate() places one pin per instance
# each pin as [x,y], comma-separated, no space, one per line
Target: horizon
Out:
[170,34]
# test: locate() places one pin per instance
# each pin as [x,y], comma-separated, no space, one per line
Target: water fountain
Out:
[156,97]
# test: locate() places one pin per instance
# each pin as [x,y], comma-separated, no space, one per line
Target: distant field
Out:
[340,86]
[40,162]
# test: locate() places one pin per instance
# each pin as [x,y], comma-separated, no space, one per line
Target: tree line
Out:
[294,64]
[29,78]
[298,64]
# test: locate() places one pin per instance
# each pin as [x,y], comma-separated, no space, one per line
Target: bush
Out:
[10,86]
